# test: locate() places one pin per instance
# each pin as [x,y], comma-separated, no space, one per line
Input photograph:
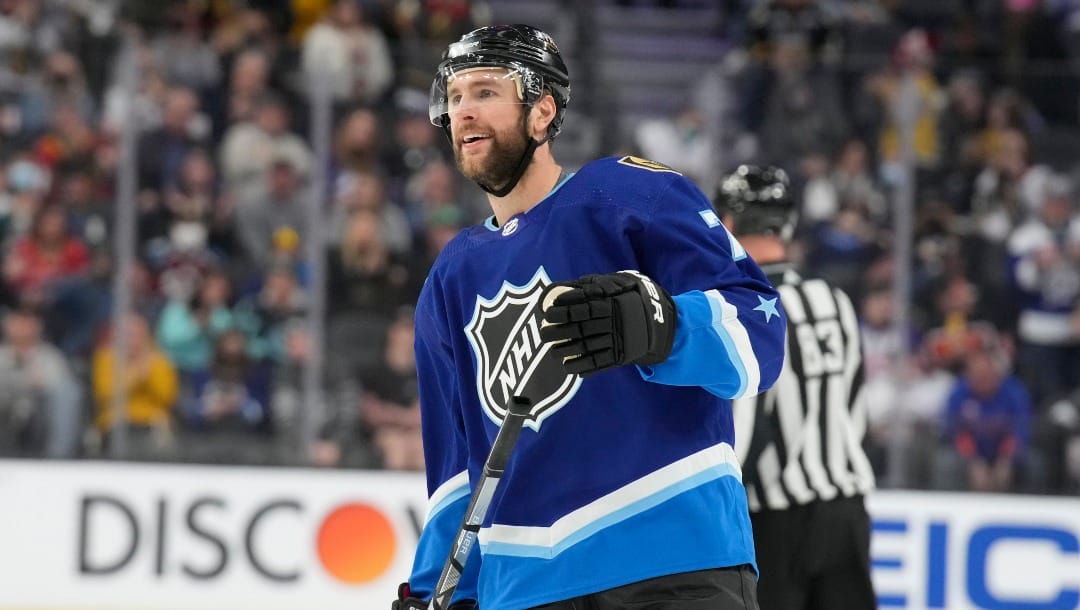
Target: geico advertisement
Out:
[148,537]
[967,551]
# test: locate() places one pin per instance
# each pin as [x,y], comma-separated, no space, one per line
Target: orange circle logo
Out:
[356,543]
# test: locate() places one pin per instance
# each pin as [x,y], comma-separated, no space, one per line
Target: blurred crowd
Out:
[217,342]
[966,112]
[975,384]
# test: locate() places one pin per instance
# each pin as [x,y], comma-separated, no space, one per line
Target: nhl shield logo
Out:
[510,357]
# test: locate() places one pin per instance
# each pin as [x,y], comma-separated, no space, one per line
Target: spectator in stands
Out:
[962,118]
[363,275]
[89,215]
[197,197]
[443,224]
[908,93]
[250,148]
[1063,444]
[227,408]
[682,141]
[25,31]
[390,407]
[820,199]
[27,184]
[266,316]
[923,388]
[437,185]
[40,399]
[997,205]
[854,182]
[60,85]
[193,226]
[414,144]
[352,54]
[47,260]
[366,284]
[146,299]
[1009,188]
[183,53]
[45,254]
[883,347]
[193,320]
[250,41]
[249,81]
[142,388]
[79,305]
[842,247]
[379,426]
[1006,111]
[292,408]
[356,147]
[961,125]
[802,106]
[937,247]
[162,151]
[144,112]
[1045,255]
[423,29]
[279,202]
[70,139]
[367,191]
[987,428]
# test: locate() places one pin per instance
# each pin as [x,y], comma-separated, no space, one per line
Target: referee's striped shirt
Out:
[801,441]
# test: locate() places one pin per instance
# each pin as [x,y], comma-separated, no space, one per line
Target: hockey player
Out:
[624,487]
[805,469]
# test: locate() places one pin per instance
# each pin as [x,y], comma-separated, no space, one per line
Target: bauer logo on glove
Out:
[598,322]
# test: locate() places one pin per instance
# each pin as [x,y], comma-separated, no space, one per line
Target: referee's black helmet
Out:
[758,201]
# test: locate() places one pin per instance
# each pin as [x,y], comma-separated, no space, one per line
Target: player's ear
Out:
[543,113]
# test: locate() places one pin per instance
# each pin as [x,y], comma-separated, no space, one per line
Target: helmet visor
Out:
[457,89]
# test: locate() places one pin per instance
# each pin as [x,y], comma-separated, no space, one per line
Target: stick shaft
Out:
[494,466]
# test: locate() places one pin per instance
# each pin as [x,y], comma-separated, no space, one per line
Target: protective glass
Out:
[456,89]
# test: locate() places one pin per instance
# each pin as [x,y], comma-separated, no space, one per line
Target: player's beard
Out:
[497,167]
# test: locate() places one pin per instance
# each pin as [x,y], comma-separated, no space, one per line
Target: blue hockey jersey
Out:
[618,477]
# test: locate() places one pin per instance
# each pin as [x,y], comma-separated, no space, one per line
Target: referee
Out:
[800,443]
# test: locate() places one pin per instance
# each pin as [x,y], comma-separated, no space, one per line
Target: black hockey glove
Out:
[406,602]
[597,322]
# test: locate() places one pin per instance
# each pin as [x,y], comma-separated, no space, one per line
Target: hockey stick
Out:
[494,467]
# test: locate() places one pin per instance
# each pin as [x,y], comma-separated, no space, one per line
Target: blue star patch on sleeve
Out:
[767,307]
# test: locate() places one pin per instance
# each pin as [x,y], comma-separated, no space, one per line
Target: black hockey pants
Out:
[717,589]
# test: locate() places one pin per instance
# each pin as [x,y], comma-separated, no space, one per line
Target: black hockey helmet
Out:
[530,56]
[759,201]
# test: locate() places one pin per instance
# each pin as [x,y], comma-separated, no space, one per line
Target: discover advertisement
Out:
[113,536]
[105,536]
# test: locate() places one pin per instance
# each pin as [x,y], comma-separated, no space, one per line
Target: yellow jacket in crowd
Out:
[152,388]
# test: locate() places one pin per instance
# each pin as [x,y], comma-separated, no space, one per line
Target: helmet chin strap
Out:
[519,171]
[523,163]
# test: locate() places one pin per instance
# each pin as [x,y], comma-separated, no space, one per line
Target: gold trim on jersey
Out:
[652,166]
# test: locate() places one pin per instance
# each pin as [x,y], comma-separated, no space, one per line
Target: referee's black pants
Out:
[717,589]
[815,556]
